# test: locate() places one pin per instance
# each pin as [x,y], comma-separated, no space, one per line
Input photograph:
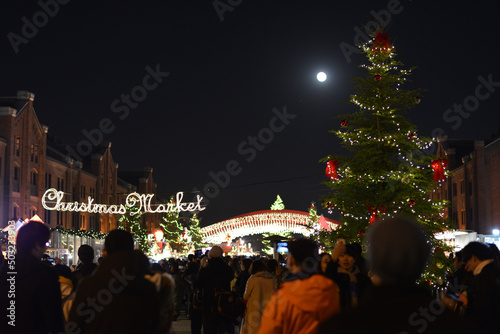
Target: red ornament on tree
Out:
[411,202]
[438,166]
[374,210]
[377,77]
[382,43]
[344,123]
[331,169]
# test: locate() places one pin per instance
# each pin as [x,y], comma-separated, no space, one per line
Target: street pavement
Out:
[182,325]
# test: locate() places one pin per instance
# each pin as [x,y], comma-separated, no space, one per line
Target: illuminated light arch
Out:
[265,221]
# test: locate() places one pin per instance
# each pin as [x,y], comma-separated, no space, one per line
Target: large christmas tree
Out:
[385,173]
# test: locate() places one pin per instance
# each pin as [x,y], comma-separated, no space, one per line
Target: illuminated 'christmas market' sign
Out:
[53,200]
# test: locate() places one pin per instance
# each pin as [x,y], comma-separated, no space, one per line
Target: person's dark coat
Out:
[191,271]
[395,310]
[241,282]
[117,298]
[216,276]
[37,297]
[483,296]
[83,270]
[344,284]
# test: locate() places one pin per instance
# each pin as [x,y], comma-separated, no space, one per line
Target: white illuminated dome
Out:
[321,76]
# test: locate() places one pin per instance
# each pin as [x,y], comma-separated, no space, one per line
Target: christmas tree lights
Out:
[173,229]
[80,233]
[385,173]
[131,221]
[278,204]
[195,232]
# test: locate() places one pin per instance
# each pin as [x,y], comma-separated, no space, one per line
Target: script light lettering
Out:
[52,200]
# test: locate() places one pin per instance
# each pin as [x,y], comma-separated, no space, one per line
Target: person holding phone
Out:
[343,270]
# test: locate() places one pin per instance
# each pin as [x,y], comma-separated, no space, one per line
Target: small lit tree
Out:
[195,231]
[278,204]
[172,228]
[131,222]
[313,223]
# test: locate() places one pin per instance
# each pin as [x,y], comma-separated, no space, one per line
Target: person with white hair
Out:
[398,250]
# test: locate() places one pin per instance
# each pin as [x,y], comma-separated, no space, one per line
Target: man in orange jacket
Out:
[305,299]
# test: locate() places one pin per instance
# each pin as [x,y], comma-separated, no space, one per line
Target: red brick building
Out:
[473,185]
[32,161]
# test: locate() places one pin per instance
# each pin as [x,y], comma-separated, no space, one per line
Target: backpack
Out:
[229,304]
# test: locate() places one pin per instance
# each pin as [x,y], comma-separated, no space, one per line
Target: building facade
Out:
[473,184]
[32,161]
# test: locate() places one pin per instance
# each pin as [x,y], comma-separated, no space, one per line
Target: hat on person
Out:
[216,251]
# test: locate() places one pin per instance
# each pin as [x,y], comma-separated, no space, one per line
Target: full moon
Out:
[321,76]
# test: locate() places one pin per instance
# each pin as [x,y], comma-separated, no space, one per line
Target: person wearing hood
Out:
[305,299]
[260,287]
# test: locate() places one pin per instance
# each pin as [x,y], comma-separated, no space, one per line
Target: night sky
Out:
[207,81]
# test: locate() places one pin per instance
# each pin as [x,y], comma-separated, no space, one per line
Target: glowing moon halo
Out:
[321,76]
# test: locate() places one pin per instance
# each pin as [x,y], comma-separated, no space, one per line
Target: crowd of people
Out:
[337,292]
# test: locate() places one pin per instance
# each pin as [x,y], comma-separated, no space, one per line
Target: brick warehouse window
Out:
[47,216]
[34,183]
[60,183]
[15,182]
[48,180]
[34,178]
[17,147]
[454,189]
[59,218]
[32,152]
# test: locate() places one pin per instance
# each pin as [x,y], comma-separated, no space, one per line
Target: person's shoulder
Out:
[331,269]
[42,270]
[489,274]
[363,278]
[492,268]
